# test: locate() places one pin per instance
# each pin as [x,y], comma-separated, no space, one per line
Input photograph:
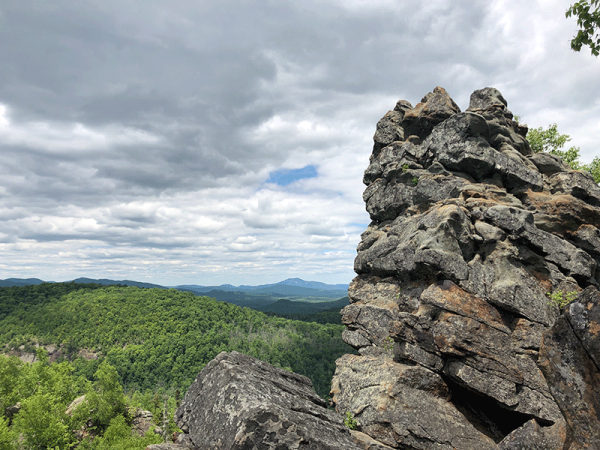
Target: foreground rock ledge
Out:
[239,402]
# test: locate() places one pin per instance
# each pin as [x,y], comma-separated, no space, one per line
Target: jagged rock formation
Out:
[460,346]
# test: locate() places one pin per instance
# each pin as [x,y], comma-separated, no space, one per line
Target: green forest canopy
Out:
[152,342]
[157,337]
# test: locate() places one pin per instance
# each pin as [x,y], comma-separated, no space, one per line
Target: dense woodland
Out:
[151,343]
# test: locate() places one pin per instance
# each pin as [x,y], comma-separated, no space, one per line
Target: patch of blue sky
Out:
[285,177]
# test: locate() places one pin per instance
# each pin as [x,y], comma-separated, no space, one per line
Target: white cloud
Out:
[137,140]
[65,137]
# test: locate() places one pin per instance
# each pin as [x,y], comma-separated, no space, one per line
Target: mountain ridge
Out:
[296,282]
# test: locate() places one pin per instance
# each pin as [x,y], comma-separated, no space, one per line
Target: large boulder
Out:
[459,310]
[238,402]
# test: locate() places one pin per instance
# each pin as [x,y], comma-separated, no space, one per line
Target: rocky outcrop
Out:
[141,422]
[456,309]
[28,354]
[238,402]
[74,404]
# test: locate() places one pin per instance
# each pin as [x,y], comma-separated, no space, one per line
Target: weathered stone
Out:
[520,224]
[74,404]
[548,164]
[504,280]
[486,98]
[478,337]
[533,436]
[478,197]
[415,329]
[433,109]
[506,135]
[584,317]
[12,410]
[462,144]
[513,220]
[376,258]
[580,185]
[489,233]
[527,336]
[432,189]
[356,338]
[142,422]
[403,106]
[563,213]
[388,130]
[471,233]
[386,200]
[431,243]
[383,291]
[368,324]
[450,297]
[573,379]
[403,352]
[587,237]
[402,406]
[574,261]
[238,402]
[498,388]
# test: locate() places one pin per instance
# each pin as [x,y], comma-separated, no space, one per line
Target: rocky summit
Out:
[476,306]
[475,312]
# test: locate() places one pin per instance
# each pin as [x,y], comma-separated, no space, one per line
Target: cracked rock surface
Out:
[239,402]
[472,235]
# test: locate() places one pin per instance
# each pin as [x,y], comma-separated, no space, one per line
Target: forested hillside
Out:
[34,401]
[157,337]
[149,343]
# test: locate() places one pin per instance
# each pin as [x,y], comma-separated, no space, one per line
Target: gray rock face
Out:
[402,406]
[142,422]
[238,402]
[460,345]
[569,359]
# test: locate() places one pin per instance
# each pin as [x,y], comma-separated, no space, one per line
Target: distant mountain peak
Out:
[289,282]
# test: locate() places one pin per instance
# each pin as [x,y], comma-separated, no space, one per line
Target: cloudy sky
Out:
[215,142]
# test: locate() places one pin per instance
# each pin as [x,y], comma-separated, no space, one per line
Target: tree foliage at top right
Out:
[551,141]
[588,20]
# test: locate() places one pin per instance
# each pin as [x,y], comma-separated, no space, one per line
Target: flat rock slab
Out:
[239,402]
